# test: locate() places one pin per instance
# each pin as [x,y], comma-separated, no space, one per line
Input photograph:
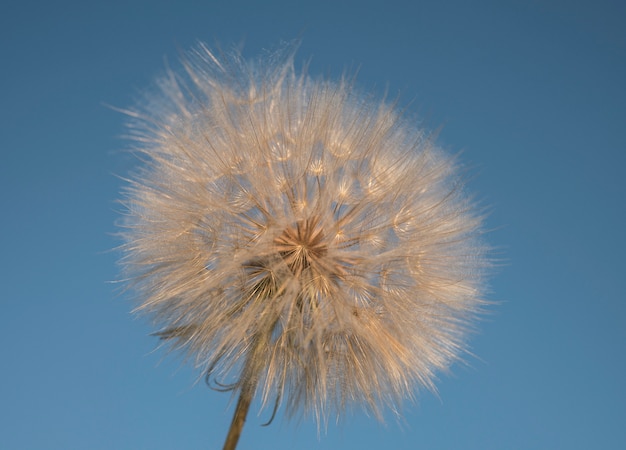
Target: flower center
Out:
[301,245]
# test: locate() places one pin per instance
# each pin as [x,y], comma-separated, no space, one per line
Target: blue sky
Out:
[531,92]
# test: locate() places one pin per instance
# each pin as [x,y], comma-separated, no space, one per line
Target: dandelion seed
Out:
[297,240]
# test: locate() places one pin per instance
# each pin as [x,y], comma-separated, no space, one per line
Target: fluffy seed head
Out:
[298,239]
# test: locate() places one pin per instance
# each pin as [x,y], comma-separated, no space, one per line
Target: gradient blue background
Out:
[533,94]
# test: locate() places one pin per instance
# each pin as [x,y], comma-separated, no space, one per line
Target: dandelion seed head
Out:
[296,238]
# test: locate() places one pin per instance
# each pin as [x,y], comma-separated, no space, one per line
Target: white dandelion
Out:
[297,240]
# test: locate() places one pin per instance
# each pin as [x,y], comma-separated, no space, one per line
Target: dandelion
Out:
[298,241]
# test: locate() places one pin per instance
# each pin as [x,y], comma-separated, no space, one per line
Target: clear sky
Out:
[532,93]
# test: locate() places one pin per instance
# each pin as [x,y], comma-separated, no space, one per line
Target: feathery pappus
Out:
[298,240]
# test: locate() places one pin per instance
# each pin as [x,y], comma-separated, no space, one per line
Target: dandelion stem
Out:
[243,404]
